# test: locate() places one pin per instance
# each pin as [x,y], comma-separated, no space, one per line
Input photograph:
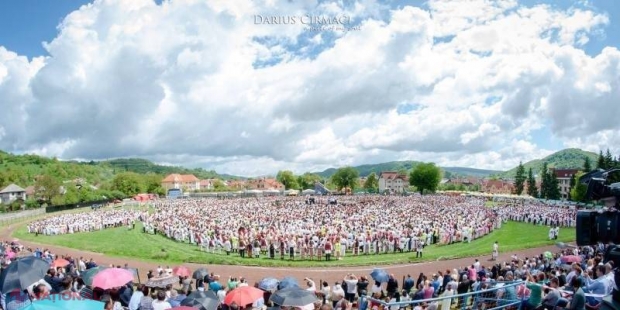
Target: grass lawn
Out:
[124,243]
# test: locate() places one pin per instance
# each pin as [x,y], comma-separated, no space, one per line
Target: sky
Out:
[250,87]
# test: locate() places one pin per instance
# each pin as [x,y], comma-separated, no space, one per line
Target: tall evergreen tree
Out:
[520,179]
[544,184]
[554,187]
[609,160]
[587,166]
[600,163]
[531,184]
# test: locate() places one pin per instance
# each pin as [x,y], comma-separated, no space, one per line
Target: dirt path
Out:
[254,274]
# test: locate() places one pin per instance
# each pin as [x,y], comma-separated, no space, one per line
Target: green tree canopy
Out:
[47,188]
[345,177]
[425,176]
[307,180]
[287,178]
[372,183]
[578,192]
[129,183]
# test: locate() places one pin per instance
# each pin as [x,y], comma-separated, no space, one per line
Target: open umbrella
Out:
[200,273]
[293,297]
[10,254]
[181,271]
[202,300]
[60,262]
[89,274]
[268,284]
[288,282]
[379,275]
[162,282]
[22,273]
[112,277]
[242,296]
[570,259]
[62,304]
[548,255]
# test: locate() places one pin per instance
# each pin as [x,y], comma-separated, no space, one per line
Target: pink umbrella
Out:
[10,255]
[570,259]
[182,271]
[112,277]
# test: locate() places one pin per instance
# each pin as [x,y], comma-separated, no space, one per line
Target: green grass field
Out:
[124,243]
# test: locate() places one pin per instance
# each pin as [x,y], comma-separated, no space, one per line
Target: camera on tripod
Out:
[603,226]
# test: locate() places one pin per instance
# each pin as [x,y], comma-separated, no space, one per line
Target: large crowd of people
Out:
[324,228]
[543,282]
[292,227]
[351,226]
[83,222]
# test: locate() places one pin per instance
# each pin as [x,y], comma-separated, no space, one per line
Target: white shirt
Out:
[161,305]
[134,302]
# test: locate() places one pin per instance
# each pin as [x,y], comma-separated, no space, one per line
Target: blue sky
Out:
[432,81]
[25,24]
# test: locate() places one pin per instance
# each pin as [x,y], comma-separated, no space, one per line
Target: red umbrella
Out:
[60,262]
[182,271]
[244,295]
[570,259]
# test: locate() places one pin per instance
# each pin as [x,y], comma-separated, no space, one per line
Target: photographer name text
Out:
[309,20]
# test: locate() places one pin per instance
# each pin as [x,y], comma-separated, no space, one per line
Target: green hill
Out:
[365,170]
[23,169]
[564,159]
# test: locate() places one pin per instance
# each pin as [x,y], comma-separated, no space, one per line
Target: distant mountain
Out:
[470,172]
[564,159]
[144,166]
[365,170]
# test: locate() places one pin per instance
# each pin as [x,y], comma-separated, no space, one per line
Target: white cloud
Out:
[199,83]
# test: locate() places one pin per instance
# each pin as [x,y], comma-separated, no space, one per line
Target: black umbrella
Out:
[22,273]
[293,297]
[200,273]
[203,300]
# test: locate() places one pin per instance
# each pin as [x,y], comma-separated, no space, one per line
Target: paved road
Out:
[253,273]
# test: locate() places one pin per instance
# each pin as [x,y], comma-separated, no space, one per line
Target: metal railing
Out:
[486,299]
[9,218]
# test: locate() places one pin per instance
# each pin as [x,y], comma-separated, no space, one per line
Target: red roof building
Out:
[187,182]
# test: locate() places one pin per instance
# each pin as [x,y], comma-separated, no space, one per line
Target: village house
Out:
[393,181]
[564,176]
[12,193]
[264,184]
[497,187]
[185,182]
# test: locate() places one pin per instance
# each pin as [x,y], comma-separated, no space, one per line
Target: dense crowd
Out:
[292,227]
[83,222]
[544,282]
[539,213]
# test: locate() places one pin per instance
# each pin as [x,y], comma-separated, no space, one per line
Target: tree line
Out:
[549,185]
[423,177]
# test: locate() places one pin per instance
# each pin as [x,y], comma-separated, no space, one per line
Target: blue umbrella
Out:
[62,304]
[288,282]
[268,284]
[380,275]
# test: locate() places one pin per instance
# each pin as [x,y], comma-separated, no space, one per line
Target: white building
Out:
[12,193]
[393,181]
